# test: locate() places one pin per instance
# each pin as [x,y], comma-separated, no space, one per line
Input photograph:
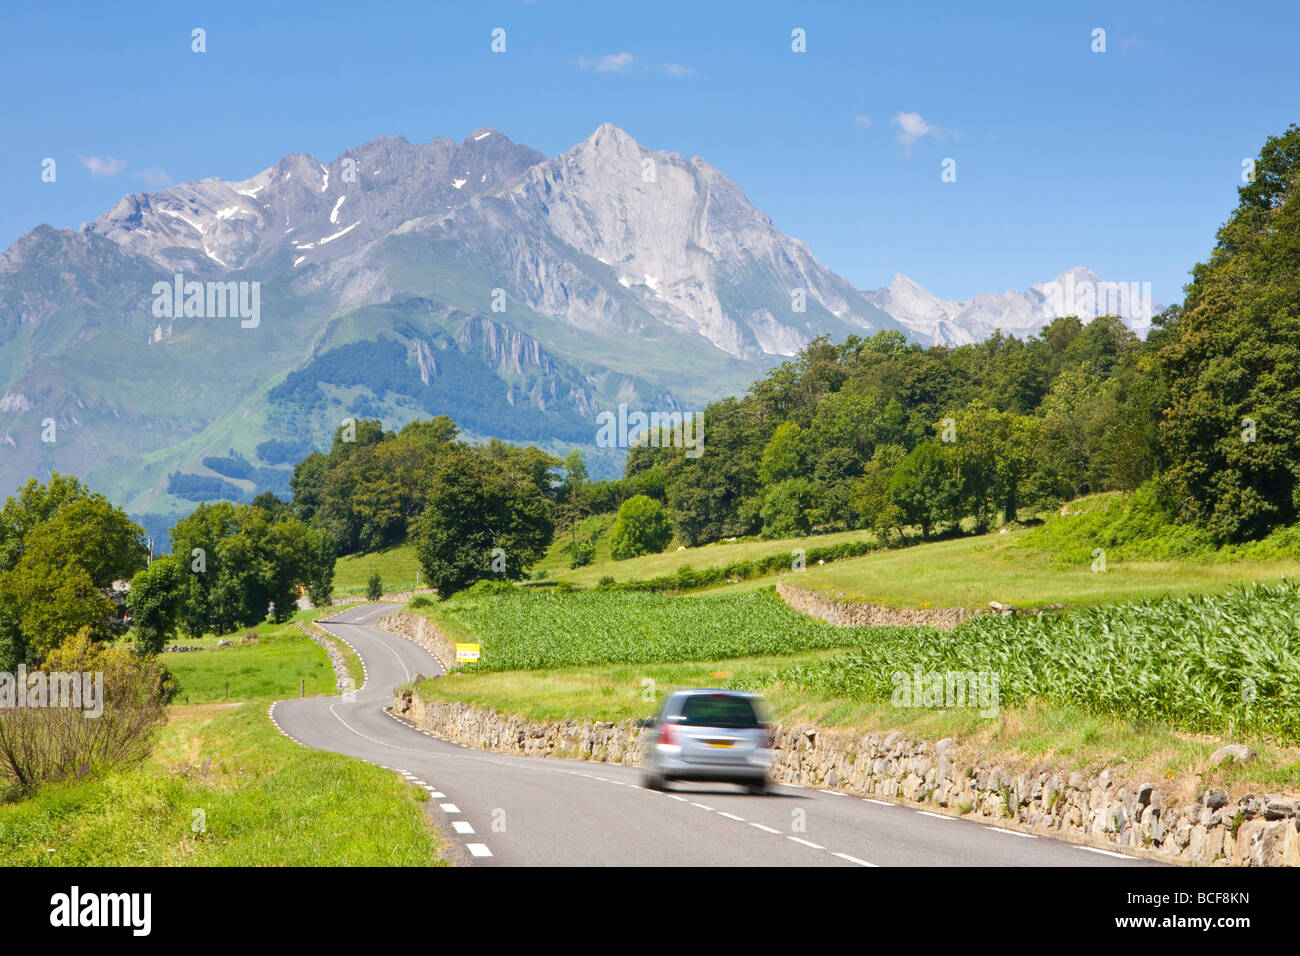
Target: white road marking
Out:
[731,816]
[1093,849]
[1027,836]
[853,859]
[809,843]
[461,826]
[449,808]
[436,793]
[937,816]
[763,828]
[880,803]
[833,793]
[673,796]
[373,740]
[478,849]
[701,806]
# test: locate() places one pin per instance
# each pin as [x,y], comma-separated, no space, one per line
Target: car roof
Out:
[696,691]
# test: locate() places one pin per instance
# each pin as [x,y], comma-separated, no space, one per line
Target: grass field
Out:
[397,567]
[1051,563]
[972,571]
[269,669]
[264,800]
[556,562]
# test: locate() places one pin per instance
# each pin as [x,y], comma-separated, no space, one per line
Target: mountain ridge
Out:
[1075,291]
[518,294]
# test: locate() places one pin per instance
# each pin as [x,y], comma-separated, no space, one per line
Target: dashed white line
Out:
[449,808]
[880,803]
[701,806]
[1016,833]
[1093,849]
[853,859]
[460,826]
[765,829]
[478,849]
[808,843]
[731,816]
[937,816]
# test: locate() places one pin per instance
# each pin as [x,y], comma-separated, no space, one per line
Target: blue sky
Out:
[1125,161]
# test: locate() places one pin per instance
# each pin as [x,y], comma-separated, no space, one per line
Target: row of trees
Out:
[230,566]
[876,433]
[64,551]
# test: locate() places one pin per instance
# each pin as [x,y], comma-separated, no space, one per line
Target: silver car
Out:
[708,735]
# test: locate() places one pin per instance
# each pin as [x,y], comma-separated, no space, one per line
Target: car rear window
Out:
[718,710]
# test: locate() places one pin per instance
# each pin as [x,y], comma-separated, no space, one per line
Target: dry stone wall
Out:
[422,631]
[393,597]
[342,679]
[864,614]
[1098,810]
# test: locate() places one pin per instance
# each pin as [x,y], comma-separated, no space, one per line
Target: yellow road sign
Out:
[466,652]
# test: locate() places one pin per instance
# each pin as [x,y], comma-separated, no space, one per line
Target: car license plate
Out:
[720,743]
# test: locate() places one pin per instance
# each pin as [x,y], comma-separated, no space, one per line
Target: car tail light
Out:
[667,735]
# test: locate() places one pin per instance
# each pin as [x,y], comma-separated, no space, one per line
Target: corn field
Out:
[530,631]
[1217,664]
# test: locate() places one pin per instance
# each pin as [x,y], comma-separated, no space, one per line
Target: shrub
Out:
[374,587]
[420,600]
[584,552]
[41,744]
[642,528]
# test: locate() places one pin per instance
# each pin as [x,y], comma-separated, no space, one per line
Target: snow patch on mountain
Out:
[1078,291]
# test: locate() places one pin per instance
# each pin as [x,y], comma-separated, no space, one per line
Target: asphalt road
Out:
[523,811]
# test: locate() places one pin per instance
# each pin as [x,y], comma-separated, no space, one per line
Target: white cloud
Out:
[103,165]
[677,69]
[609,63]
[155,177]
[912,127]
[861,121]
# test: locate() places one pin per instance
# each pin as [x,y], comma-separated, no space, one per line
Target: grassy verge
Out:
[261,800]
[224,788]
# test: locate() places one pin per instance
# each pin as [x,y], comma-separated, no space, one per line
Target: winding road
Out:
[497,809]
